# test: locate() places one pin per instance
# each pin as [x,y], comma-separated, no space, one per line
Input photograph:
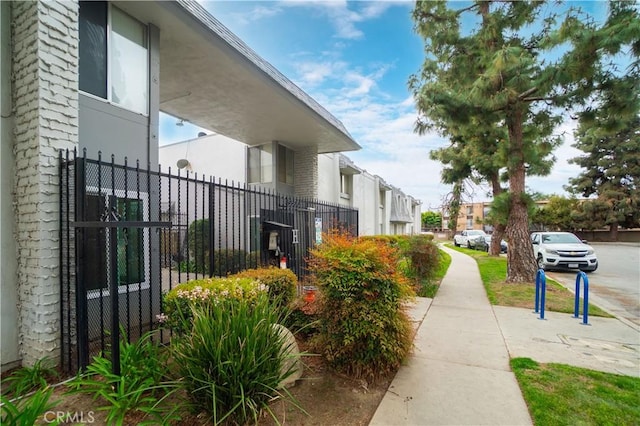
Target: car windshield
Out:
[560,239]
[475,232]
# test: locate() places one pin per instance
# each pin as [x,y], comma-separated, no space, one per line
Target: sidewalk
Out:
[459,371]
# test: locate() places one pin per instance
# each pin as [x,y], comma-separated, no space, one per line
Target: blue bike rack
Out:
[585,302]
[541,291]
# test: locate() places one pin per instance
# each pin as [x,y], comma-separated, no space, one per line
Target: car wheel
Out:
[456,244]
[468,245]
[541,262]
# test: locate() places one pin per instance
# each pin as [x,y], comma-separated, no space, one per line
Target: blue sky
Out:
[355,58]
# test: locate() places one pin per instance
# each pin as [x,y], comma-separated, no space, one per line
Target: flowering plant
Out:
[179,302]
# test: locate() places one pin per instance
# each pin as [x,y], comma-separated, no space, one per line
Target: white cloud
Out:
[312,74]
[261,11]
[343,19]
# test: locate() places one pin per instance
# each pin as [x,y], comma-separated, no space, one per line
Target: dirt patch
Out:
[328,398]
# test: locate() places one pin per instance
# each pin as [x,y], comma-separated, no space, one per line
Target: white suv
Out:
[563,250]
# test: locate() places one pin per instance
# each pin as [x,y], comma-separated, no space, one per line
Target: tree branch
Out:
[533,99]
[526,93]
[461,11]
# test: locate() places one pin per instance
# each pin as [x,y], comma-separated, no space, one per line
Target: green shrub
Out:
[138,387]
[225,262]
[303,316]
[397,241]
[230,261]
[198,235]
[282,284]
[424,256]
[232,358]
[26,379]
[176,303]
[364,330]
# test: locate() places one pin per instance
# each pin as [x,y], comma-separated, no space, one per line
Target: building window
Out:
[129,242]
[470,223]
[130,246]
[469,210]
[346,183]
[114,62]
[285,165]
[260,164]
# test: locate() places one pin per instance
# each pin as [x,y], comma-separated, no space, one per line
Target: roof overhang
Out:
[348,167]
[211,78]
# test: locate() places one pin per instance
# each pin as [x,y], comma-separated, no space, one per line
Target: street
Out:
[615,286]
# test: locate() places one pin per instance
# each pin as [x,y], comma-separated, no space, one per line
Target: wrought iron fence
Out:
[130,234]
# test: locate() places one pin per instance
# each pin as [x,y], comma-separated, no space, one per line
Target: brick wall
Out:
[45,99]
[306,172]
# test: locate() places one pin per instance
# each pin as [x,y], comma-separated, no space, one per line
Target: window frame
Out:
[107,194]
[109,82]
[262,170]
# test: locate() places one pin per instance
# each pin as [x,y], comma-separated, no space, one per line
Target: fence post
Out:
[585,305]
[541,290]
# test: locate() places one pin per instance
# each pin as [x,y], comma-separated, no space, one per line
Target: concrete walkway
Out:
[459,372]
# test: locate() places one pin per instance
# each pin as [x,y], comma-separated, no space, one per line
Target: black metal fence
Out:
[129,234]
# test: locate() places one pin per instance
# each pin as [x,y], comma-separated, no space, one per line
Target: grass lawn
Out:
[563,395]
[493,271]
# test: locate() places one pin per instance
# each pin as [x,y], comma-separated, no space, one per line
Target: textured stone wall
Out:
[305,165]
[45,99]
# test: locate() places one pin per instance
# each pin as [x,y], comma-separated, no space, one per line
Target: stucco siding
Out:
[214,156]
[364,199]
[328,178]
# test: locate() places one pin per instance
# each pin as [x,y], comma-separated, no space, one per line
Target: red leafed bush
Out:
[364,331]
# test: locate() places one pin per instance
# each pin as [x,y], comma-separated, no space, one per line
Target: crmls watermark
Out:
[69,417]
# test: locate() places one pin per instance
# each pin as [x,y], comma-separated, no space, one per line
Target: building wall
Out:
[45,101]
[365,199]
[219,156]
[470,215]
[216,156]
[329,178]
[305,175]
[8,280]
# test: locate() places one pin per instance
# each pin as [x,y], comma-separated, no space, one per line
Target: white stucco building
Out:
[383,208]
[94,76]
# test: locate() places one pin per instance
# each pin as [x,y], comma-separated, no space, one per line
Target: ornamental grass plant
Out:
[233,358]
[141,386]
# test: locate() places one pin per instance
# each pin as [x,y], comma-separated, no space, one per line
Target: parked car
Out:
[563,250]
[467,237]
[487,243]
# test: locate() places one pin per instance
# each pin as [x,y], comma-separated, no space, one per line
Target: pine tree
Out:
[609,127]
[499,73]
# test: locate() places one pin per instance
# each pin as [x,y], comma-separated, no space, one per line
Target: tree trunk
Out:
[498,228]
[521,266]
[454,206]
[613,232]
[496,239]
